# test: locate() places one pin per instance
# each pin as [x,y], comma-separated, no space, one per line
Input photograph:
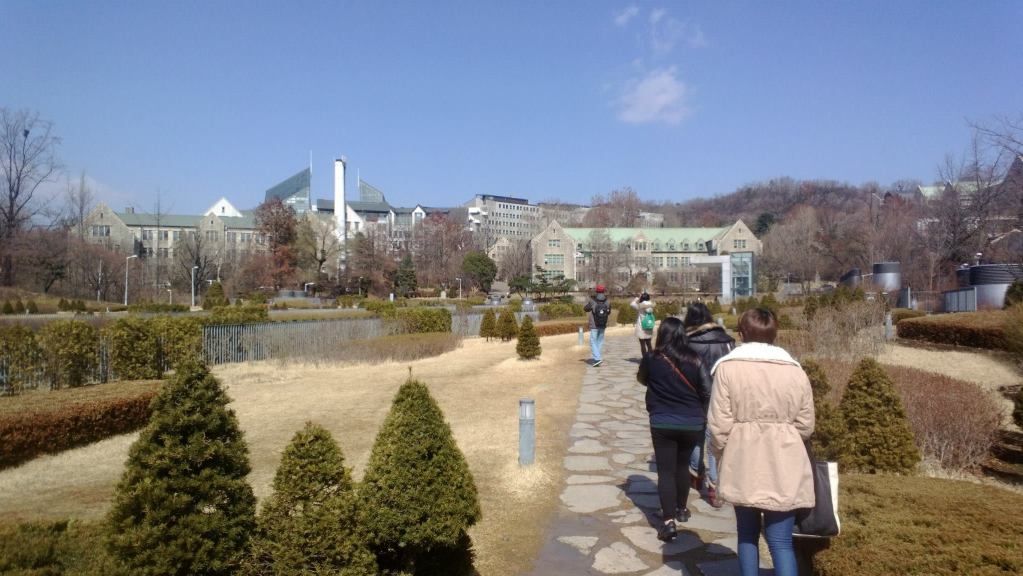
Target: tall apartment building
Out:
[493,217]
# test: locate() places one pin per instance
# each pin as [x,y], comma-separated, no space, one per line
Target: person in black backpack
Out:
[599,311]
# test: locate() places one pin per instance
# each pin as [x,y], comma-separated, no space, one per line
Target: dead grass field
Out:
[478,387]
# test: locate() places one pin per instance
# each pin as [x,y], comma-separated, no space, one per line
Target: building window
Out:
[641,246]
[212,235]
[162,253]
[147,234]
[164,234]
[177,235]
[739,244]
[685,260]
[232,237]
[554,243]
[554,259]
[672,261]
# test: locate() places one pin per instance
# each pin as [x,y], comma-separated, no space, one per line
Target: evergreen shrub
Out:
[7,308]
[1014,295]
[19,306]
[309,525]
[183,505]
[382,308]
[423,320]
[134,349]
[528,345]
[488,325]
[877,435]
[70,349]
[1012,328]
[155,307]
[20,352]
[515,305]
[829,427]
[32,307]
[627,314]
[180,339]
[62,305]
[417,497]
[215,297]
[507,327]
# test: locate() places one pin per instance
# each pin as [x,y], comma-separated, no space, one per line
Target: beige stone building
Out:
[683,259]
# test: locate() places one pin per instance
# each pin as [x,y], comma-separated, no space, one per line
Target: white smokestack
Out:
[340,206]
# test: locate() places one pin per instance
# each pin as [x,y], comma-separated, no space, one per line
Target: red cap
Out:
[600,288]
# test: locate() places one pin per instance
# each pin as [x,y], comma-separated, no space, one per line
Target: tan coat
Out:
[761,411]
[641,308]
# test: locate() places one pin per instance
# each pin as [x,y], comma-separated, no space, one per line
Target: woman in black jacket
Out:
[711,342]
[677,396]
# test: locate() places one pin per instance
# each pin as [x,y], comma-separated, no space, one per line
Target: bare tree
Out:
[516,261]
[791,247]
[78,204]
[27,160]
[191,251]
[316,243]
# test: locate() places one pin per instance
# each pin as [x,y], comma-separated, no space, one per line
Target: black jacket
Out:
[711,342]
[668,395]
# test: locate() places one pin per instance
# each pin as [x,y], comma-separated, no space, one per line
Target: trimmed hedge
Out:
[900,314]
[423,320]
[20,352]
[58,425]
[626,314]
[973,329]
[134,349]
[561,310]
[247,314]
[556,328]
[157,307]
[70,350]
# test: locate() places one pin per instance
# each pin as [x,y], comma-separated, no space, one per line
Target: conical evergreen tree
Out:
[507,327]
[19,306]
[183,505]
[32,307]
[405,282]
[829,428]
[309,525]
[488,326]
[418,497]
[877,437]
[214,297]
[529,343]
[7,308]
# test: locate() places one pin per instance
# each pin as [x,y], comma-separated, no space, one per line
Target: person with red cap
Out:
[599,310]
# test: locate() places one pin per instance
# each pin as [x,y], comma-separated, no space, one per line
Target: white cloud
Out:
[657,97]
[624,16]
[656,14]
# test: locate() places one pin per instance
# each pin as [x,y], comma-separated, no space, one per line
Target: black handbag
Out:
[821,521]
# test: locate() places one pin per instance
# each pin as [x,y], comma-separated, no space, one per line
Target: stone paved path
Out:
[609,505]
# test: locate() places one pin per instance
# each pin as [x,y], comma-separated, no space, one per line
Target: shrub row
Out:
[900,314]
[46,431]
[19,307]
[556,310]
[157,307]
[973,329]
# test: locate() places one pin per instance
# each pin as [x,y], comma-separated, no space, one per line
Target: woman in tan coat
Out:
[761,412]
[642,305]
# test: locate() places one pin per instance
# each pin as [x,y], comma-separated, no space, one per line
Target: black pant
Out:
[645,347]
[672,449]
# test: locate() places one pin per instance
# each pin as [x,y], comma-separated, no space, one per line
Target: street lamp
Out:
[126,277]
[459,288]
[194,268]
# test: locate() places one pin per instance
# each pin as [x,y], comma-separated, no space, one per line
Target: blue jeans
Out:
[596,342]
[712,462]
[777,532]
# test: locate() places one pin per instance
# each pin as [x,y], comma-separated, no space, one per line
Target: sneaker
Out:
[682,515]
[712,497]
[667,531]
[598,363]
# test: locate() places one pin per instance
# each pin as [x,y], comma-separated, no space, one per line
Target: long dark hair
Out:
[673,342]
[697,314]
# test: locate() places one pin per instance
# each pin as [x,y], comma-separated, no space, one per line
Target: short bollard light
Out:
[580,335]
[527,431]
[889,332]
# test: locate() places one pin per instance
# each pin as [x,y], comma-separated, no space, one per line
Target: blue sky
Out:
[433,102]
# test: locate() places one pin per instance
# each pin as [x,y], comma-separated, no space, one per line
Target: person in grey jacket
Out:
[599,310]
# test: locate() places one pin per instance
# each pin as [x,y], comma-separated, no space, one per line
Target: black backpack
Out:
[601,312]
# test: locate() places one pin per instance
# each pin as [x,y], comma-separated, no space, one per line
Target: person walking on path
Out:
[599,310]
[711,342]
[677,393]
[645,322]
[761,412]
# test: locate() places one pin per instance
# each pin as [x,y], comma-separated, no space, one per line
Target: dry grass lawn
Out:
[478,387]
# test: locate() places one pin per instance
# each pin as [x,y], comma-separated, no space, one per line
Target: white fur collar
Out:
[758,352]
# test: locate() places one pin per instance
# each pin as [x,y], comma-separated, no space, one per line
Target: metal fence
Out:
[313,338]
[244,342]
[961,300]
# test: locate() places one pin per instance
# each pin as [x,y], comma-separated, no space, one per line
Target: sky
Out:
[434,102]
